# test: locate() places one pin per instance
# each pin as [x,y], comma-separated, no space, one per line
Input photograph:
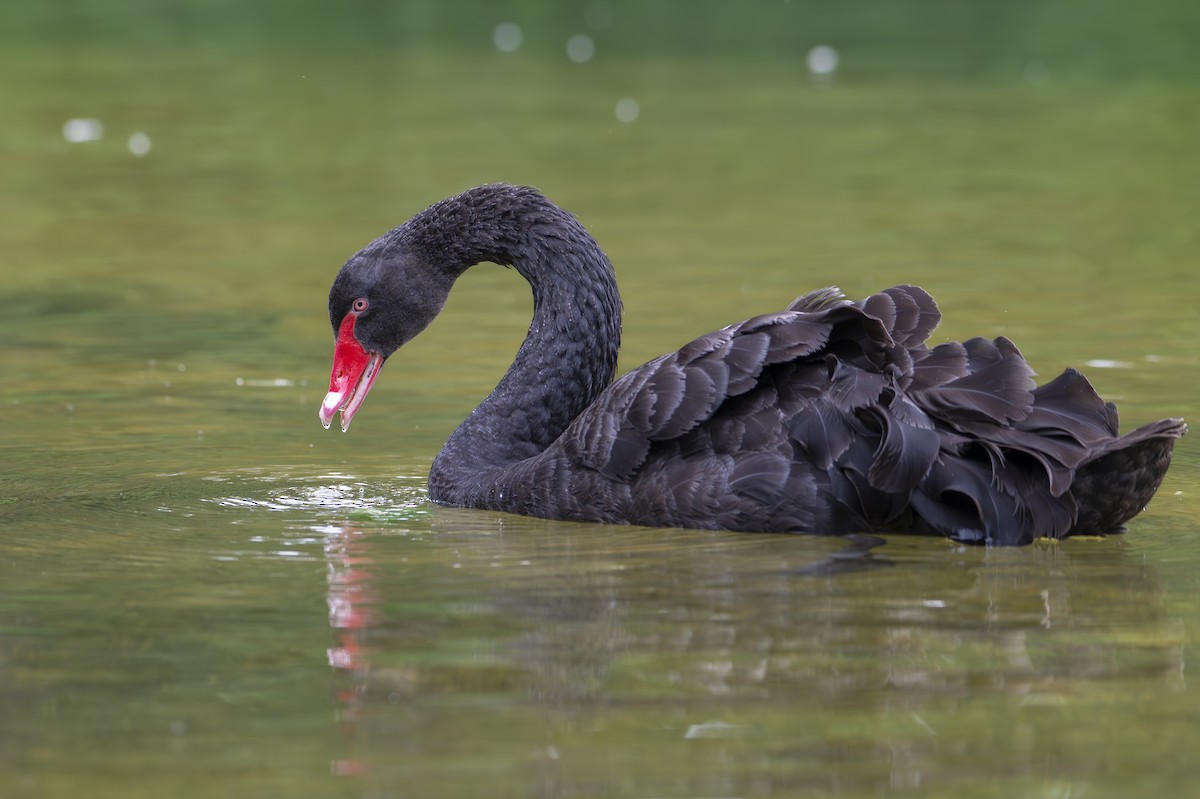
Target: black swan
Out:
[828,417]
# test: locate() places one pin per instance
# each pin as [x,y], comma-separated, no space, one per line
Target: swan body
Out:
[829,417]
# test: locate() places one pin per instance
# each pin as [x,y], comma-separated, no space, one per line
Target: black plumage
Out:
[828,417]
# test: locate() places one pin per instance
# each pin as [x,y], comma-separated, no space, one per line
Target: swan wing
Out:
[834,416]
[668,398]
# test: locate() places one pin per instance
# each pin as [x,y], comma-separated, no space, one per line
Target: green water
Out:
[203,593]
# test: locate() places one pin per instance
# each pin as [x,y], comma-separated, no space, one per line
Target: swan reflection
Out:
[473,630]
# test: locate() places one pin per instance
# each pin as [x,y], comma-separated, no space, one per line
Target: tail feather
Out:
[1118,482]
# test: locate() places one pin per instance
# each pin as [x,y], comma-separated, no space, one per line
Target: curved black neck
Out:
[569,355]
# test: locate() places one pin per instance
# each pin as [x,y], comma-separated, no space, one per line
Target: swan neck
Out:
[568,357]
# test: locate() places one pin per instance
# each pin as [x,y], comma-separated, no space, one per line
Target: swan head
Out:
[382,298]
[391,290]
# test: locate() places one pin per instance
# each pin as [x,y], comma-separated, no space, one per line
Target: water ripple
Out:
[330,492]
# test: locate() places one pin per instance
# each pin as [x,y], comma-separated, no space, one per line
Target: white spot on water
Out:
[709,729]
[581,48]
[81,130]
[1104,363]
[822,60]
[139,144]
[627,109]
[275,382]
[507,37]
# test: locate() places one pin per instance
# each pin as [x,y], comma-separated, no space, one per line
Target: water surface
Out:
[204,593]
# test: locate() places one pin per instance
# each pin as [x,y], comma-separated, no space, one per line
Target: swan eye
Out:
[361,304]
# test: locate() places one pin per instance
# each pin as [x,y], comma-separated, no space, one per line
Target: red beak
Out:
[354,372]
